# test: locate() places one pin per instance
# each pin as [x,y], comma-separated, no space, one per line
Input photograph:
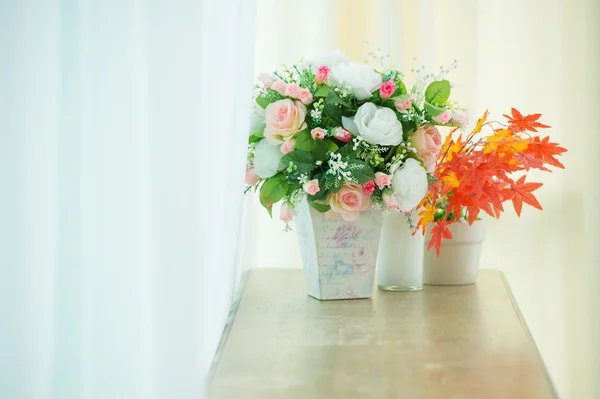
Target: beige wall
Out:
[538,56]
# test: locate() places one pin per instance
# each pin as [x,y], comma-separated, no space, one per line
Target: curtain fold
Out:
[122,146]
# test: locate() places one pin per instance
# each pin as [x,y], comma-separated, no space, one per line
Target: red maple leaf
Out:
[520,192]
[530,162]
[438,232]
[545,151]
[520,123]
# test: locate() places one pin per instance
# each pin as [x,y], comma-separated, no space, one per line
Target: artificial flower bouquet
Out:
[346,137]
[477,173]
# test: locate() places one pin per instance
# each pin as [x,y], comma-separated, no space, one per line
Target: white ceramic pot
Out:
[339,257]
[458,262]
[400,258]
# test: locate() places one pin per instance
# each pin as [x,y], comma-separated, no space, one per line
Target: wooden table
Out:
[442,342]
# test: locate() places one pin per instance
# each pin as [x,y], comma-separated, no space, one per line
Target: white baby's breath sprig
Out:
[337,167]
[303,178]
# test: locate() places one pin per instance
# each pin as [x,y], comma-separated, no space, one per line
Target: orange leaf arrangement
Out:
[475,174]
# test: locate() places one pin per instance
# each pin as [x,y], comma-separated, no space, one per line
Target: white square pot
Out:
[339,257]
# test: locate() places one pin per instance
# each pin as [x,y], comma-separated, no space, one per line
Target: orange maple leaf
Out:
[427,216]
[438,232]
[520,192]
[545,151]
[480,122]
[520,123]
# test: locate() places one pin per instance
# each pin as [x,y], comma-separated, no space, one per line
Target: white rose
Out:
[409,184]
[267,159]
[361,78]
[331,59]
[377,125]
[257,119]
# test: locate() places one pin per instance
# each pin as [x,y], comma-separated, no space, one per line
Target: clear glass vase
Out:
[400,257]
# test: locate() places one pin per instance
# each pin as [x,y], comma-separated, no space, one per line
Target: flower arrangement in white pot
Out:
[474,174]
[330,140]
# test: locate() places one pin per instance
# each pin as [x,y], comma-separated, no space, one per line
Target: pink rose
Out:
[284,118]
[266,79]
[350,201]
[251,176]
[461,119]
[390,201]
[428,143]
[322,73]
[305,96]
[292,90]
[444,117]
[387,89]
[369,187]
[342,134]
[311,187]
[286,213]
[382,180]
[279,86]
[318,133]
[402,105]
[288,146]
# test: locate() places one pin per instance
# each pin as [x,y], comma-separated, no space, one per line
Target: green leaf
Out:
[333,99]
[304,141]
[273,190]
[264,101]
[253,138]
[333,147]
[347,151]
[438,92]
[302,159]
[319,206]
[322,91]
[401,89]
[333,112]
[333,183]
[432,110]
[292,188]
[360,171]
[320,150]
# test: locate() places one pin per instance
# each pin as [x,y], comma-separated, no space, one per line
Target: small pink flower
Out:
[279,87]
[288,146]
[387,89]
[369,187]
[318,133]
[322,74]
[286,213]
[461,119]
[382,180]
[402,105]
[390,201]
[444,117]
[342,134]
[292,90]
[251,176]
[305,96]
[311,187]
[266,79]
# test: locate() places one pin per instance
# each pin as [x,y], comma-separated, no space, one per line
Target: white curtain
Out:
[122,154]
[535,55]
